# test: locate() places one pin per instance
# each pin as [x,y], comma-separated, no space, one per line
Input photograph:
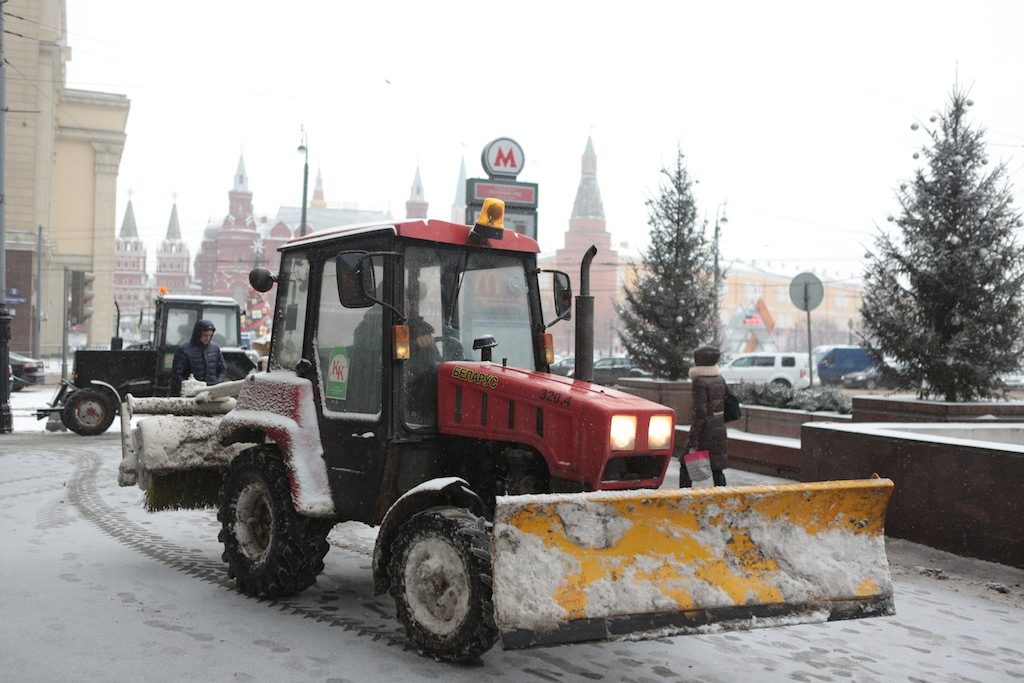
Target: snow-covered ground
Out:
[94,588]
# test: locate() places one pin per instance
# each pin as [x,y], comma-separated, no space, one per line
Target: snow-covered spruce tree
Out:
[943,300]
[669,309]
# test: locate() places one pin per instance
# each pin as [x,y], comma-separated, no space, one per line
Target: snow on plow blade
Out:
[610,565]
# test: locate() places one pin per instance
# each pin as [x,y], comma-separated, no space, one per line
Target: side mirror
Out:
[356,282]
[562,290]
[563,296]
[261,279]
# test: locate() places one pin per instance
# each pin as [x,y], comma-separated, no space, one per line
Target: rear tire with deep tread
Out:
[271,550]
[442,584]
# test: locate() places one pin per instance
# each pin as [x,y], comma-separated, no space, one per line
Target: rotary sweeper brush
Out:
[512,503]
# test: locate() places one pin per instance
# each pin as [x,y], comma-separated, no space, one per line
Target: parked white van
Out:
[787,369]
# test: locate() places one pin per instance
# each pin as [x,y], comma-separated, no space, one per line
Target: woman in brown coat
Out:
[707,428]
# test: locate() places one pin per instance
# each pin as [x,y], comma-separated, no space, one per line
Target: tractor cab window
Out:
[290,312]
[348,351]
[180,323]
[453,297]
[225,320]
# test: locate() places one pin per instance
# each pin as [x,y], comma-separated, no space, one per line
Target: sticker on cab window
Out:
[337,373]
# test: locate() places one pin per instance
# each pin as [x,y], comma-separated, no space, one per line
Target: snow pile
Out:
[565,557]
[280,404]
[592,525]
[192,386]
[180,406]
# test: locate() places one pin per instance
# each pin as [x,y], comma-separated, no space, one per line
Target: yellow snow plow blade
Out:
[605,565]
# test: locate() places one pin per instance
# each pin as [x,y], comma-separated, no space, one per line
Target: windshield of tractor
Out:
[225,319]
[453,297]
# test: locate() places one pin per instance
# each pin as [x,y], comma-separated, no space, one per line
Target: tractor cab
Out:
[175,318]
[370,313]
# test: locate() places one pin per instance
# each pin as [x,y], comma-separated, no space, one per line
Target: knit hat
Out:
[706,355]
[419,327]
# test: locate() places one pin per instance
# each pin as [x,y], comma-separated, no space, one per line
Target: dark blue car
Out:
[841,360]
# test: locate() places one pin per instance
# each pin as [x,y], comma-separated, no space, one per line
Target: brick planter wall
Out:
[963,496]
[781,421]
[772,455]
[879,409]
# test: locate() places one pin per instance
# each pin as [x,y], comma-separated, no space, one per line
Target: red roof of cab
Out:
[430,230]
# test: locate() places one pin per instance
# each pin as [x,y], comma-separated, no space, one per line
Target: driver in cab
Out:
[200,358]
[421,369]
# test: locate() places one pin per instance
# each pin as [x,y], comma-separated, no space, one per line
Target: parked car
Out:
[608,370]
[26,370]
[842,360]
[870,378]
[563,367]
[1013,380]
[787,369]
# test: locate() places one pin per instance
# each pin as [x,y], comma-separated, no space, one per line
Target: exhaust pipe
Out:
[584,363]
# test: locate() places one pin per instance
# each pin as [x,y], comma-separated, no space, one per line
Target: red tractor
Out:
[408,387]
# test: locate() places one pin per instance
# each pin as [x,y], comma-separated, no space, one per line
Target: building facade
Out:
[62,157]
[233,246]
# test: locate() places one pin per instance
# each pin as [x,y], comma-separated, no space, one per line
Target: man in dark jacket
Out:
[707,428]
[200,358]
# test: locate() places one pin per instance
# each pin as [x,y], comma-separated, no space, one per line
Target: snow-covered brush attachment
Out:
[175,456]
[634,564]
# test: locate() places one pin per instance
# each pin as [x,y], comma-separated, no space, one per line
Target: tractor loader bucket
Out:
[175,455]
[614,565]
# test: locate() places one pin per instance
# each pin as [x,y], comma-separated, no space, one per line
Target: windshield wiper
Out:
[456,288]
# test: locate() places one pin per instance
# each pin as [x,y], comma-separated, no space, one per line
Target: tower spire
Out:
[459,205]
[318,193]
[173,227]
[128,228]
[416,207]
[241,180]
[588,195]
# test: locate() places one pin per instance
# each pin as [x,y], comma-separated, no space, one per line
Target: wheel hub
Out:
[254,522]
[89,412]
[437,585]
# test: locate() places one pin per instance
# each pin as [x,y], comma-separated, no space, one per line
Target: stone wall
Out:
[956,494]
[892,409]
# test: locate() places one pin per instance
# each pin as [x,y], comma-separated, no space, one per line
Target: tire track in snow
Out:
[83,493]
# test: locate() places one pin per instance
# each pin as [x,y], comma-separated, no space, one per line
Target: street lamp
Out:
[720,219]
[305,180]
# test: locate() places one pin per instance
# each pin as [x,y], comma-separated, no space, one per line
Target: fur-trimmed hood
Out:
[703,371]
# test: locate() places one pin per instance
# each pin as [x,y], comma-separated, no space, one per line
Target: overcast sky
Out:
[797,114]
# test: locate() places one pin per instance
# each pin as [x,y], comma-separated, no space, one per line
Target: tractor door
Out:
[347,350]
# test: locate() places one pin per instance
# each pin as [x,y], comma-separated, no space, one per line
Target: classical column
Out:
[107,149]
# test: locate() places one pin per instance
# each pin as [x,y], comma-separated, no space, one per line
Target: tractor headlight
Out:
[659,432]
[622,434]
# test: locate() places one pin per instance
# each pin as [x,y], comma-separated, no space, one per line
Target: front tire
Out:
[271,549]
[441,583]
[88,412]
